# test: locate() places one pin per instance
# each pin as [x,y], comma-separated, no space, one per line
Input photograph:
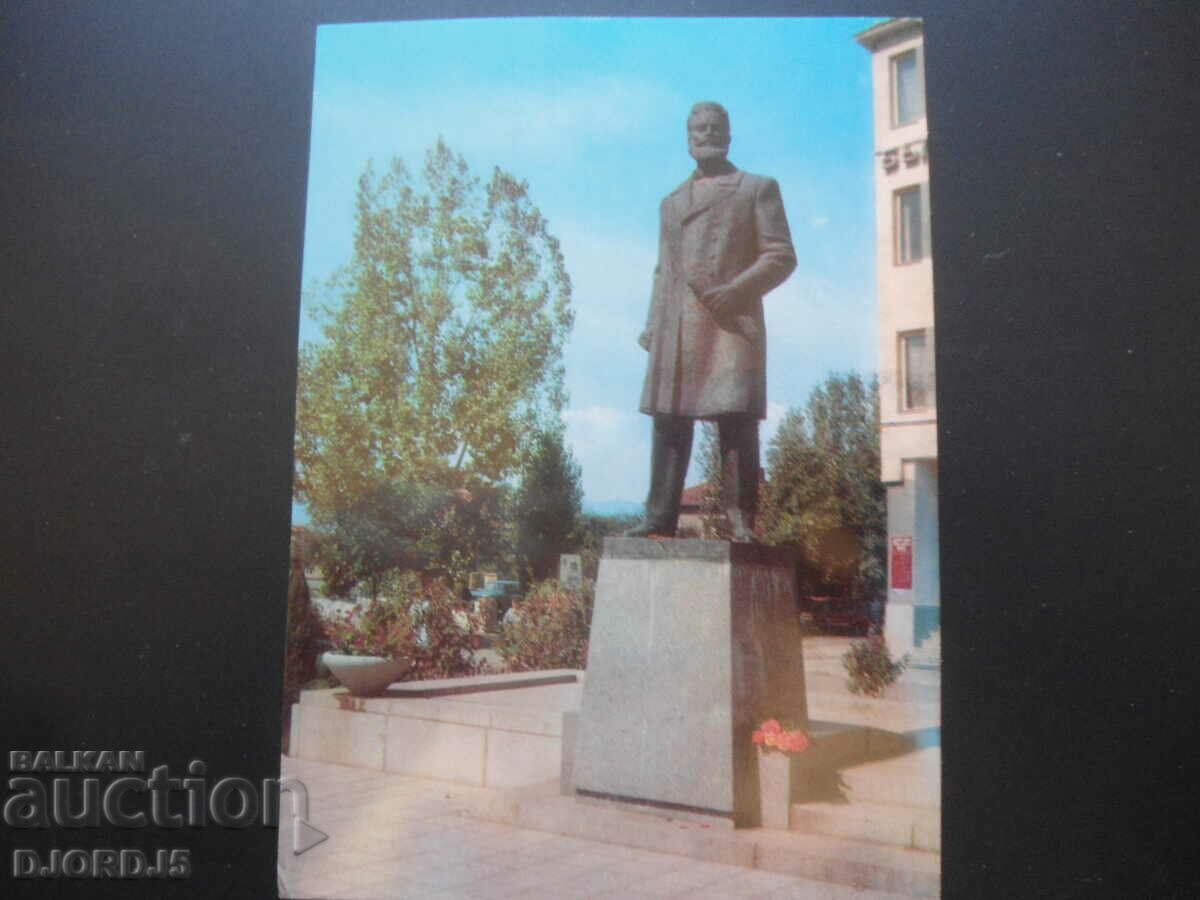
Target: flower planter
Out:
[775,787]
[365,676]
[778,768]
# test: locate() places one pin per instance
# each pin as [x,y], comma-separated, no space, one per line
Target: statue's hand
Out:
[721,301]
[644,339]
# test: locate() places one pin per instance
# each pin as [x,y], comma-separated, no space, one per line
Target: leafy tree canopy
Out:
[593,529]
[823,494]
[712,511]
[443,340]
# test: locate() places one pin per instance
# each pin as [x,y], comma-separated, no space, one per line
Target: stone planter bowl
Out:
[364,676]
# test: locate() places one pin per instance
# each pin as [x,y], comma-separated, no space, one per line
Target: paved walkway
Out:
[393,836]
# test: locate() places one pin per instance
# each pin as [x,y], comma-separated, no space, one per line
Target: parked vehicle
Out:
[505,592]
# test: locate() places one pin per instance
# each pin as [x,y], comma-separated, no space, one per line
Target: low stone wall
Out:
[496,731]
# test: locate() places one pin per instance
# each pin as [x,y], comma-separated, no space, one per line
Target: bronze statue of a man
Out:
[723,243]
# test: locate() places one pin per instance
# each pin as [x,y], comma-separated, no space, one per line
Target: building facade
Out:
[907,396]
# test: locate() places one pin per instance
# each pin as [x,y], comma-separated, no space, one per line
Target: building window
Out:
[911,225]
[916,370]
[908,89]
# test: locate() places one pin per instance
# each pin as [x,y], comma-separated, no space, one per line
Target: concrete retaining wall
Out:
[497,731]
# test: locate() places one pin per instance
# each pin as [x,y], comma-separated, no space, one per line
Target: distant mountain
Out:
[613,508]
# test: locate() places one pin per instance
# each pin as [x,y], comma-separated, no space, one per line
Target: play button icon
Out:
[305,837]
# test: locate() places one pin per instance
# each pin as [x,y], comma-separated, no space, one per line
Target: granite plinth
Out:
[693,644]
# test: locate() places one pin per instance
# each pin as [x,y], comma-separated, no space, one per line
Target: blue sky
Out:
[591,113]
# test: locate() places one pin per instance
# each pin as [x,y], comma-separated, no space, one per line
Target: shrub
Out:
[412,621]
[303,643]
[871,667]
[549,629]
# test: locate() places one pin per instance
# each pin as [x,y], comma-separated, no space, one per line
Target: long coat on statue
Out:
[702,366]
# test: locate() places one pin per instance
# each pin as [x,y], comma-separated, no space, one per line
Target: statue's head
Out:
[708,132]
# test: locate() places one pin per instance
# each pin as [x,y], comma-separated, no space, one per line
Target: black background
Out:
[153,203]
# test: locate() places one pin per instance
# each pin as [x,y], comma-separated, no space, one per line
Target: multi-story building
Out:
[907,403]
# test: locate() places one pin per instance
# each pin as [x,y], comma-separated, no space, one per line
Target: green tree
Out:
[548,505]
[593,529]
[824,495]
[442,350]
[304,631]
[413,527]
[712,512]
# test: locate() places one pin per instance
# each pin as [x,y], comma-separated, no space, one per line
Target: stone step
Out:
[837,748]
[912,780]
[903,691]
[838,745]
[929,651]
[826,648]
[854,863]
[835,860]
[870,768]
[926,677]
[887,715]
[918,828]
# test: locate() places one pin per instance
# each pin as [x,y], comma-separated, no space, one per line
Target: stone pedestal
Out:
[693,644]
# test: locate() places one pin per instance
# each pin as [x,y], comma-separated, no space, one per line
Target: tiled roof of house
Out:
[694,496]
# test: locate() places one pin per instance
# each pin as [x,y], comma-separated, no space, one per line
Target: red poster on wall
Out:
[902,562]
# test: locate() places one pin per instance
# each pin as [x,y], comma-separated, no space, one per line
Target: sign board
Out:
[901,562]
[570,570]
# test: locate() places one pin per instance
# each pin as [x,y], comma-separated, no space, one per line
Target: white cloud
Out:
[611,274]
[596,419]
[810,318]
[612,447]
[775,414]
[818,221]
[611,277]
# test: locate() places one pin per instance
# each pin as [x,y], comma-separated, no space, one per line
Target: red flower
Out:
[772,735]
[794,742]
